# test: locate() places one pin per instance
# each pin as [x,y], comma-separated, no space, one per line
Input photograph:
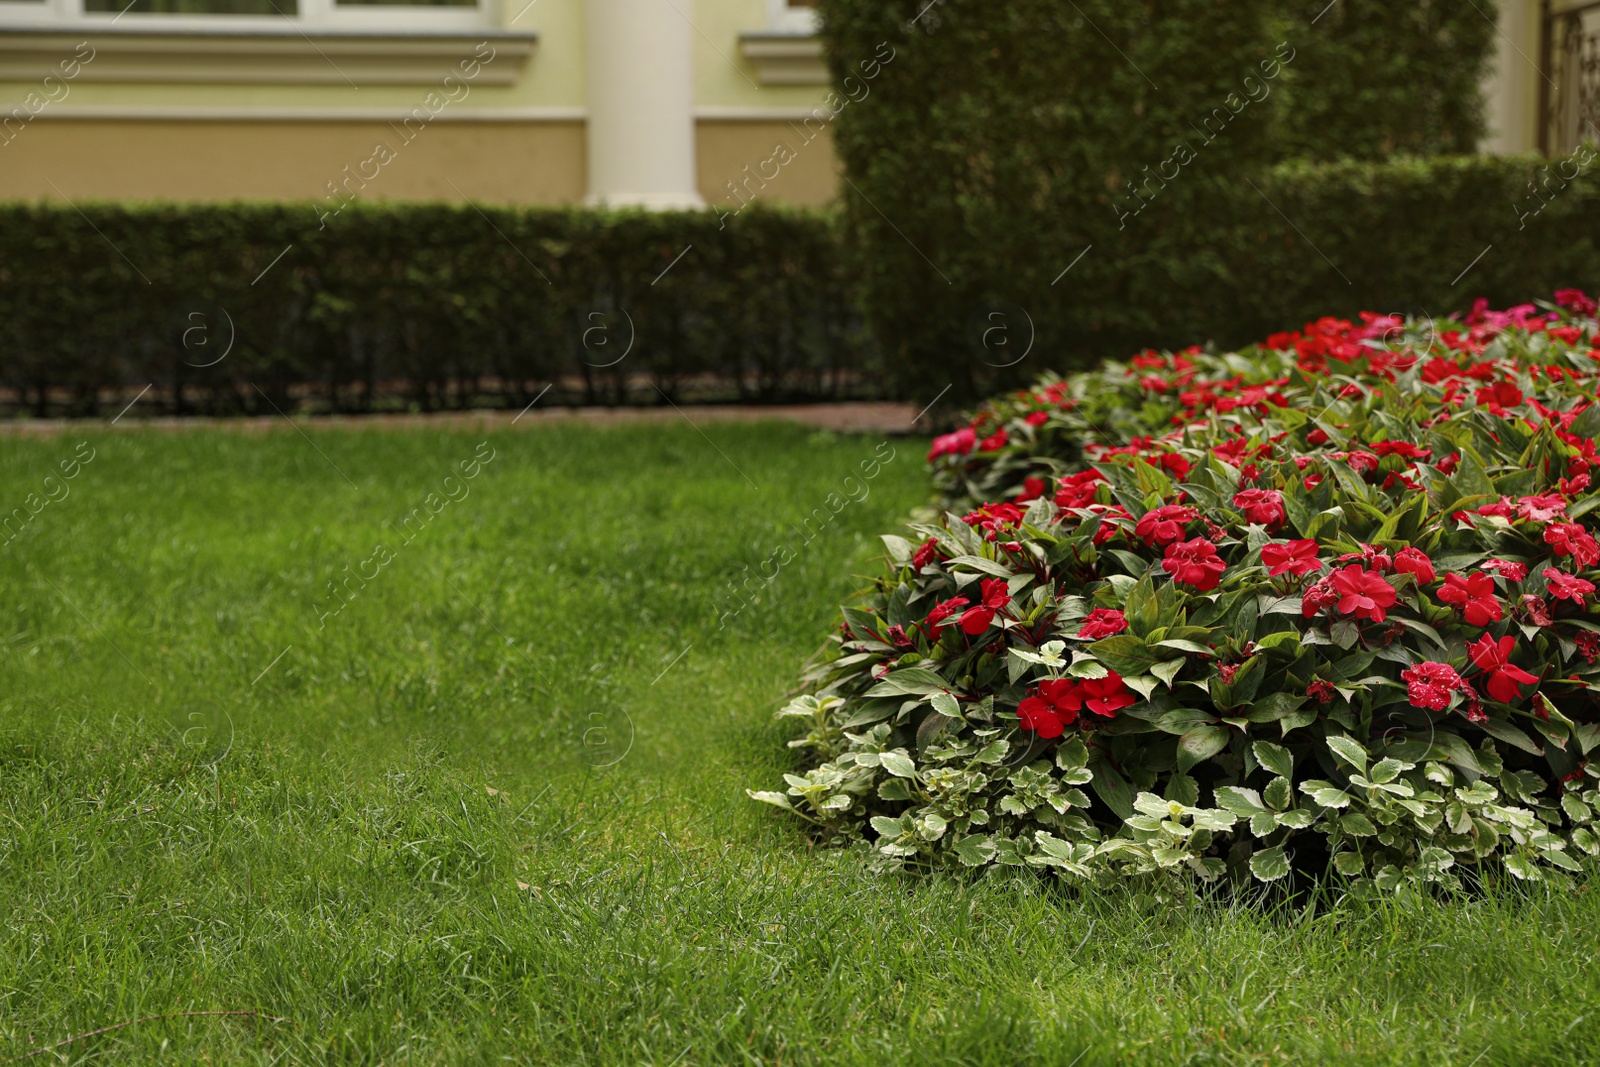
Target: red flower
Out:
[959,443]
[1474,595]
[1588,646]
[996,595]
[1106,696]
[1403,449]
[1317,437]
[1362,593]
[1564,586]
[1430,684]
[1078,490]
[1322,692]
[1264,506]
[1103,622]
[942,612]
[1494,657]
[1540,508]
[1510,570]
[1164,525]
[995,442]
[1320,594]
[1415,562]
[1296,557]
[925,554]
[1032,489]
[1053,707]
[1570,539]
[1195,563]
[1499,395]
[1036,714]
[1037,418]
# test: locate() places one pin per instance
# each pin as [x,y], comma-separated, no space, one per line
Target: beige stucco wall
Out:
[489,161]
[810,178]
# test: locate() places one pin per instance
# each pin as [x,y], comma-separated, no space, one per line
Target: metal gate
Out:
[1569,94]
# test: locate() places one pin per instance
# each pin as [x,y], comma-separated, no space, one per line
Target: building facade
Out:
[664,103]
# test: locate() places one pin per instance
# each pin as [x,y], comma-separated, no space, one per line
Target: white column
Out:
[1511,90]
[641,103]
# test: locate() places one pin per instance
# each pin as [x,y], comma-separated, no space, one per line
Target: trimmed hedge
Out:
[419,306]
[976,196]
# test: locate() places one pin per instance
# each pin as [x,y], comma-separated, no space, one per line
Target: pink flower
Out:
[1296,557]
[1103,622]
[1195,563]
[1474,595]
[1430,684]
[1564,586]
[1362,593]
[1494,658]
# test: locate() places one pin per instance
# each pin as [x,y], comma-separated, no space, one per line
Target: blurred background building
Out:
[669,103]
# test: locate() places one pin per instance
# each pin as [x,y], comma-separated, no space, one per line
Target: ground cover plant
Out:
[342,867]
[1326,602]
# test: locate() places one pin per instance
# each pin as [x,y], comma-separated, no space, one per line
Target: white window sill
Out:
[266,54]
[785,58]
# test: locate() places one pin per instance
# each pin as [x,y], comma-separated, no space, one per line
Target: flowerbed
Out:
[1327,602]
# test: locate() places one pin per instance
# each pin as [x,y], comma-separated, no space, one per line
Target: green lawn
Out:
[534,692]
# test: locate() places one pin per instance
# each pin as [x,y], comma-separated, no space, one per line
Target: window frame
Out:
[311,16]
[784,17]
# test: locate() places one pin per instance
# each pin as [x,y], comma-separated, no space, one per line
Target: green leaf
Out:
[1348,750]
[1279,794]
[1357,825]
[1125,654]
[1168,671]
[898,764]
[1239,800]
[909,681]
[1274,758]
[1348,864]
[1200,744]
[945,704]
[775,799]
[974,850]
[1588,423]
[1387,770]
[1269,865]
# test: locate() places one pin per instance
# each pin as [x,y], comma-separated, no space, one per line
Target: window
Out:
[793,16]
[182,15]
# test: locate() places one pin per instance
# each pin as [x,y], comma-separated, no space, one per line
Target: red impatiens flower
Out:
[1037,418]
[926,553]
[1474,595]
[1362,593]
[1503,677]
[941,612]
[1164,525]
[1430,684]
[1564,586]
[1264,506]
[996,595]
[1195,563]
[1322,692]
[1318,595]
[1541,508]
[1509,569]
[995,441]
[1570,539]
[1296,557]
[1078,490]
[1415,562]
[1106,696]
[959,443]
[1103,622]
[1053,707]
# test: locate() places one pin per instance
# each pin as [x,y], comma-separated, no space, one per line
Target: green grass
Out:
[321,845]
